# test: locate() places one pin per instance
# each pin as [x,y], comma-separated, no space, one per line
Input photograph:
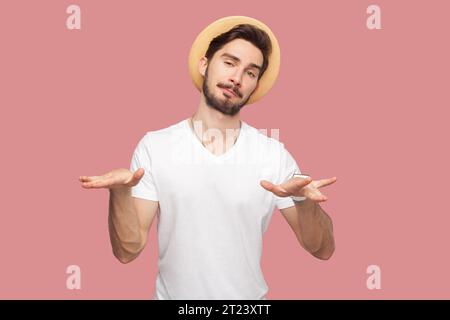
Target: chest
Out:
[234,186]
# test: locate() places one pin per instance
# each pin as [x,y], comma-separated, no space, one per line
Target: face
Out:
[231,77]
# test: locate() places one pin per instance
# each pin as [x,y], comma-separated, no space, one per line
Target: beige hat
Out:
[201,44]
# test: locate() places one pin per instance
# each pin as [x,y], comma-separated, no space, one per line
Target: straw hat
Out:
[201,44]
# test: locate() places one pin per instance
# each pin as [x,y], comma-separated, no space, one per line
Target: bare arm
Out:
[129,218]
[312,227]
[129,222]
[316,228]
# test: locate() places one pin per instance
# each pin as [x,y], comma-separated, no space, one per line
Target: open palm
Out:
[299,187]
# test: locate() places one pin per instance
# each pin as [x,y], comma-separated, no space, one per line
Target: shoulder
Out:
[268,139]
[163,135]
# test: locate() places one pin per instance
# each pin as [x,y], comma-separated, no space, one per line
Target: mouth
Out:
[229,91]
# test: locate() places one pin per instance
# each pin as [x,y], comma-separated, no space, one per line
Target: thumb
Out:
[267,185]
[138,174]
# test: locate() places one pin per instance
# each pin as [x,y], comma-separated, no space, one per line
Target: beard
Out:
[224,106]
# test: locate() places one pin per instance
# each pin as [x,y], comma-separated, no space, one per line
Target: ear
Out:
[202,64]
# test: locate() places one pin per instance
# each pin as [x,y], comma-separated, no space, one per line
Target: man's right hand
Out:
[117,178]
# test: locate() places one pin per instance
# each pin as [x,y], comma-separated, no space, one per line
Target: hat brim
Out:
[220,26]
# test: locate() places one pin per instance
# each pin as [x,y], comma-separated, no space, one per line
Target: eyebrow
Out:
[239,60]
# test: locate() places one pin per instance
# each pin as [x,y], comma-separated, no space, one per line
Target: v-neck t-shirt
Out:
[213,211]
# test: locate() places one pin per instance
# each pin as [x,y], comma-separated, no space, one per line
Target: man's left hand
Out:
[299,187]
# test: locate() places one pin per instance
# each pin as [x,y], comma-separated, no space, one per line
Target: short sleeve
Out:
[288,166]
[146,188]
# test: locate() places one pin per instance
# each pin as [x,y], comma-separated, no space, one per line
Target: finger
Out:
[98,184]
[325,182]
[280,191]
[267,185]
[88,178]
[320,199]
[301,182]
[135,177]
[276,189]
[295,184]
[138,174]
[315,195]
[91,185]
[88,185]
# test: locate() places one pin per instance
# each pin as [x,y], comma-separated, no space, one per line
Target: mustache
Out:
[230,87]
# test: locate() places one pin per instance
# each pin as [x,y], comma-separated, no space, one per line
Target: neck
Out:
[206,121]
[214,119]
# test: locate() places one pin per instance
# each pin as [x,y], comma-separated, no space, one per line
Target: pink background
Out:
[370,107]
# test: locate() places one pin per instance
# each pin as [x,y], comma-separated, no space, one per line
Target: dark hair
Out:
[259,38]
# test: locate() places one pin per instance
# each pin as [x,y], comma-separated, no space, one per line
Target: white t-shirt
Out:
[213,211]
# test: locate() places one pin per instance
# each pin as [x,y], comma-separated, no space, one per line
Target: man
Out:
[213,180]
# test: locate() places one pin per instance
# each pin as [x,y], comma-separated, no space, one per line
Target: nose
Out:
[236,78]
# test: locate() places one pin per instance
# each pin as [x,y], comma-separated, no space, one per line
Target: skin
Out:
[228,70]
[233,68]
[224,72]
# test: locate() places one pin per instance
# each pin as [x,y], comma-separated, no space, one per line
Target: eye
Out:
[228,63]
[251,74]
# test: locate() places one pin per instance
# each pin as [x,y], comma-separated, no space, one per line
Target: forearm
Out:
[123,223]
[316,229]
